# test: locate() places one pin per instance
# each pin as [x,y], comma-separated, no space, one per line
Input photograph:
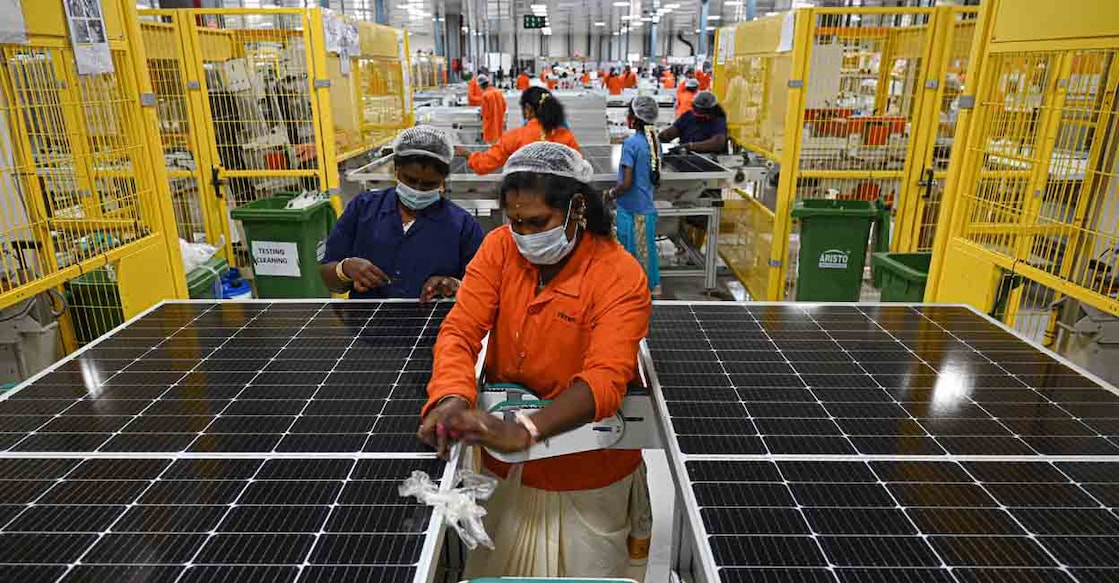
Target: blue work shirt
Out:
[692,129]
[639,198]
[441,241]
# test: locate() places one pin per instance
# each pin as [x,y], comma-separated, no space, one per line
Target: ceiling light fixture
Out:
[714,17]
[622,4]
[600,24]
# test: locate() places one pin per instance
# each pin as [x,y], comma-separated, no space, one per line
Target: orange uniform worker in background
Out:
[668,80]
[473,90]
[493,111]
[523,81]
[685,97]
[704,79]
[631,78]
[544,123]
[615,83]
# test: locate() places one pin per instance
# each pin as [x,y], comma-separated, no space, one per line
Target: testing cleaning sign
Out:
[276,258]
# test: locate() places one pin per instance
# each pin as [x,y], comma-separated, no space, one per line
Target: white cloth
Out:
[580,533]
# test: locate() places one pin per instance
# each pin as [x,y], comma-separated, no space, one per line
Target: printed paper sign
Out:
[88,36]
[276,258]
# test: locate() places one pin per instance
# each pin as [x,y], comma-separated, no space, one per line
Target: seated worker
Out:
[523,81]
[544,121]
[639,173]
[704,129]
[493,111]
[685,98]
[406,241]
[565,308]
[615,83]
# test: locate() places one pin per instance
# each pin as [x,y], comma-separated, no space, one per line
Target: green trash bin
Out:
[286,246]
[94,304]
[880,242]
[204,281]
[833,240]
[904,275]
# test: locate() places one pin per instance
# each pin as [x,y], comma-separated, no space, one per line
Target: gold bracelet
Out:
[340,273]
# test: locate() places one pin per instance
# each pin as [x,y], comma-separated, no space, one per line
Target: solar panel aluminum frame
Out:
[434,535]
[691,553]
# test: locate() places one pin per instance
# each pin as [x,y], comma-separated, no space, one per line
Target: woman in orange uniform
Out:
[631,78]
[493,111]
[523,81]
[544,122]
[685,98]
[474,90]
[668,79]
[704,77]
[565,308]
[615,83]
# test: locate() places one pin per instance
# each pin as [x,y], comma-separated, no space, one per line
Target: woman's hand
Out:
[461,151]
[366,276]
[474,426]
[433,428]
[441,286]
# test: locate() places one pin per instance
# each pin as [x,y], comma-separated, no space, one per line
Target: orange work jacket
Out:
[515,139]
[493,115]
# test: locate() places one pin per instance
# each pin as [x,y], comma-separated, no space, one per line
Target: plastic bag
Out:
[459,504]
[305,199]
[195,254]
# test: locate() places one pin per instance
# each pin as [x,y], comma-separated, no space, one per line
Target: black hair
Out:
[426,161]
[716,111]
[650,133]
[558,192]
[545,107]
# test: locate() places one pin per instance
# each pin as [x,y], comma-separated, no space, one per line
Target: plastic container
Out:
[833,240]
[233,287]
[880,243]
[286,246]
[904,275]
[204,282]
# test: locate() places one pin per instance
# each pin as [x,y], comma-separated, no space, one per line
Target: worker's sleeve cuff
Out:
[606,391]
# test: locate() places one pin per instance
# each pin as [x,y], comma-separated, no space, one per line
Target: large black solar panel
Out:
[294,377]
[210,519]
[882,443]
[875,380]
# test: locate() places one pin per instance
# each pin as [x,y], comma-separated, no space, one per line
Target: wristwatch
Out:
[340,273]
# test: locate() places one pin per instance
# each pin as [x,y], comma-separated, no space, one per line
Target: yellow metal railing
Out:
[745,238]
[1033,182]
[80,193]
[851,103]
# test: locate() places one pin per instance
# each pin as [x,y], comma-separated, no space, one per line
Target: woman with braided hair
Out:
[639,173]
[544,122]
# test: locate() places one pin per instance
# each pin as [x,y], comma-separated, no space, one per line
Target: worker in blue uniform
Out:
[703,129]
[407,241]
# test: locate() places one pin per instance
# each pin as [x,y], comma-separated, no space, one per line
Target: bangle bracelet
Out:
[338,271]
[525,421]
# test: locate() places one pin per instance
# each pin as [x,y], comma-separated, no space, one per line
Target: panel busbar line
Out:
[298,378]
[203,441]
[882,442]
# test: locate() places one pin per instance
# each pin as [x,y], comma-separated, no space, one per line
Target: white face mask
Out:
[547,247]
[416,199]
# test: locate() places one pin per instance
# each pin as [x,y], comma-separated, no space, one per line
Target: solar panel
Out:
[882,443]
[225,441]
[229,378]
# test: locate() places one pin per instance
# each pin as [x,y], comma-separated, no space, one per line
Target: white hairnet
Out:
[705,100]
[423,140]
[550,158]
[691,84]
[645,108]
[483,79]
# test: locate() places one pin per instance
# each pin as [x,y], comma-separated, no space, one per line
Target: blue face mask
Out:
[548,247]
[416,199]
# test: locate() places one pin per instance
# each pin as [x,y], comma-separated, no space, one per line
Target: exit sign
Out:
[533,21]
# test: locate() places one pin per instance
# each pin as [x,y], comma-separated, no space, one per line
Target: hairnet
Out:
[483,79]
[427,141]
[691,84]
[645,108]
[705,100]
[550,158]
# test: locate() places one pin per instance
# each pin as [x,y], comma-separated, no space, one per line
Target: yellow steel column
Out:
[156,170]
[805,24]
[923,129]
[326,156]
[969,129]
